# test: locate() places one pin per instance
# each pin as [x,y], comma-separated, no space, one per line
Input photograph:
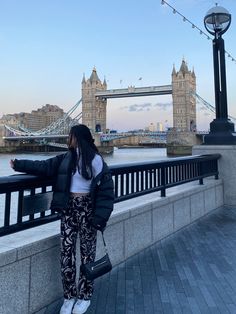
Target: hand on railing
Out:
[12,163]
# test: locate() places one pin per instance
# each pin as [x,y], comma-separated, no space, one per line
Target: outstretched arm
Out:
[46,167]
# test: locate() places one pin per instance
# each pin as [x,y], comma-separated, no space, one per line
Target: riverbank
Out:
[154,145]
[44,149]
[29,149]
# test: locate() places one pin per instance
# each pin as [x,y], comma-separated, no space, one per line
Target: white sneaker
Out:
[81,306]
[67,306]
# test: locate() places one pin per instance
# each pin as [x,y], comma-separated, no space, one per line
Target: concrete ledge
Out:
[226,165]
[30,280]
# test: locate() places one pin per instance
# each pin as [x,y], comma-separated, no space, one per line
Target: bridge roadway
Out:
[192,271]
[133,91]
[34,137]
[106,137]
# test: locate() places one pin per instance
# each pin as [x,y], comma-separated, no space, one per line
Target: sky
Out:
[47,45]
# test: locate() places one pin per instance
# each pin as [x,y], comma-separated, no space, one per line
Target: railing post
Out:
[7,209]
[19,207]
[200,173]
[163,182]
[216,168]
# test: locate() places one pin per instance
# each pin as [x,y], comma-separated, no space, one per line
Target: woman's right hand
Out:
[12,163]
[98,223]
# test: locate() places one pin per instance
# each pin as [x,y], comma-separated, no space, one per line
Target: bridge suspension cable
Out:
[207,105]
[75,120]
[15,131]
[58,125]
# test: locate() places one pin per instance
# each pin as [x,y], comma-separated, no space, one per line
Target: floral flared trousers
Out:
[74,221]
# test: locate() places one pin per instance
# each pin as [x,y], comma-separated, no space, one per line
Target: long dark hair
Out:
[86,150]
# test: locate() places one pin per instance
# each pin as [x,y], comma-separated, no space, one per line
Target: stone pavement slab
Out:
[191,271]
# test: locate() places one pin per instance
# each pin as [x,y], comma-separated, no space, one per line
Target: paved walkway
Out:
[192,271]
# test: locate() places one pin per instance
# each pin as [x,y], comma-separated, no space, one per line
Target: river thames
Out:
[119,156]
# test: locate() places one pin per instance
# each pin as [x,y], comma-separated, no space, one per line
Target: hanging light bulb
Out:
[216,22]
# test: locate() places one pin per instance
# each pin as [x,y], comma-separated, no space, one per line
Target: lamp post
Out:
[217,22]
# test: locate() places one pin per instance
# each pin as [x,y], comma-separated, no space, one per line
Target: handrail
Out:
[150,177]
[27,197]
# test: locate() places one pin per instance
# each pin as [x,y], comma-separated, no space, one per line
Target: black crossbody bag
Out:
[93,270]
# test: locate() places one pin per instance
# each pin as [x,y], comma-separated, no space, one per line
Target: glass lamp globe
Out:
[217,20]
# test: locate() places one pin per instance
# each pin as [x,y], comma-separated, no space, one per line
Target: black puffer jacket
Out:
[102,187]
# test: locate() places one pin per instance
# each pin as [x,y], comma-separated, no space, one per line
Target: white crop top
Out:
[81,185]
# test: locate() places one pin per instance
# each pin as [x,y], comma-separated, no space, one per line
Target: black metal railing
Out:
[25,199]
[133,180]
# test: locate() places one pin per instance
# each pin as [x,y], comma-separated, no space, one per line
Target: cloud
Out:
[163,106]
[137,107]
[146,107]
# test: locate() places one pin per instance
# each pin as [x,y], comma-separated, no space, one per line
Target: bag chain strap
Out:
[105,247]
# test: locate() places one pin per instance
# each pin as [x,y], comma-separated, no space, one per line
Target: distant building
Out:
[152,127]
[44,116]
[159,127]
[9,119]
[36,120]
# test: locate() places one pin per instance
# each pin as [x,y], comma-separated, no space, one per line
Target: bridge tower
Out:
[184,102]
[182,137]
[93,109]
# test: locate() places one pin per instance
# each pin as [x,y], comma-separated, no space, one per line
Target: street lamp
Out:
[217,22]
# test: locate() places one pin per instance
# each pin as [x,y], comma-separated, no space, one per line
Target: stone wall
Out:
[181,142]
[226,165]
[30,279]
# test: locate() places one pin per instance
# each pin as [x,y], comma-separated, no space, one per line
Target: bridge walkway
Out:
[192,271]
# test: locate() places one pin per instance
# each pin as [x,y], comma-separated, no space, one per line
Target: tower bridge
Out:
[183,88]
[95,95]
[94,102]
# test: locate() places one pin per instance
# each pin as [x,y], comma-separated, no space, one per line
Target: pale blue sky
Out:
[47,45]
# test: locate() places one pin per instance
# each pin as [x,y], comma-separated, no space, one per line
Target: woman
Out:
[83,195]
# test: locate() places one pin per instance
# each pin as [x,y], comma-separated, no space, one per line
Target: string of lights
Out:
[201,32]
